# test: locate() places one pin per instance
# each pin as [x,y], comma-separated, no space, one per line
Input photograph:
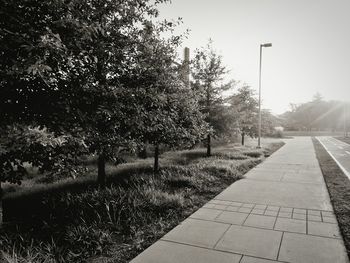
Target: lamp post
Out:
[259,131]
[345,119]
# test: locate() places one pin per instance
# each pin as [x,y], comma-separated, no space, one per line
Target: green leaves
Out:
[208,73]
[245,109]
[93,79]
[22,146]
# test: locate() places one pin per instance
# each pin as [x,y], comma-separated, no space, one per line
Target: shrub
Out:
[278,134]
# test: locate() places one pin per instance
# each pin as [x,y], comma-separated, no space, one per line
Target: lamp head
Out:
[266,45]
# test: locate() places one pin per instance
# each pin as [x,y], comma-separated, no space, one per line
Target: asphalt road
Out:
[340,152]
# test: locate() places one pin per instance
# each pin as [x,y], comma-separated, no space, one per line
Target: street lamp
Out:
[259,132]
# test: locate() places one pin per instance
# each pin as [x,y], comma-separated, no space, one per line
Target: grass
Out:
[344,139]
[74,220]
[339,190]
[312,133]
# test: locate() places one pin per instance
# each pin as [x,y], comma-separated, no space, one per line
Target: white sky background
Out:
[310,52]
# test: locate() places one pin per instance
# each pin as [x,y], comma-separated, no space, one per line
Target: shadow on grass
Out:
[75,219]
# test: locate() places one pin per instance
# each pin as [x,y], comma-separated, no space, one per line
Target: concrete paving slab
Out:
[251,241]
[258,211]
[263,207]
[236,204]
[302,178]
[232,208]
[286,209]
[265,176]
[260,221]
[169,252]
[209,205]
[247,259]
[332,220]
[287,189]
[279,193]
[299,216]
[291,225]
[299,248]
[285,215]
[232,218]
[221,207]
[206,214]
[327,214]
[219,202]
[273,208]
[244,210]
[299,211]
[197,232]
[248,205]
[271,213]
[314,212]
[323,229]
[314,218]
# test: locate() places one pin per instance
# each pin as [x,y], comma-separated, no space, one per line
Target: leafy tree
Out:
[61,68]
[268,122]
[22,145]
[245,106]
[208,74]
[169,109]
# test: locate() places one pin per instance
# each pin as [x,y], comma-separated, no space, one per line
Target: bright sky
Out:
[311,44]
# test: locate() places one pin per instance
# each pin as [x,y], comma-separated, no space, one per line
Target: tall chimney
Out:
[186,66]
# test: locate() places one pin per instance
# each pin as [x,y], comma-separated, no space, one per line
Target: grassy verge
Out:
[344,139]
[72,221]
[339,190]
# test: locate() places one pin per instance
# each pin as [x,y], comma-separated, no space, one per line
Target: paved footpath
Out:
[280,212]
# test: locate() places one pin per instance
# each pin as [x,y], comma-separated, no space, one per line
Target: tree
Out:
[169,110]
[208,74]
[245,106]
[61,69]
[268,122]
[21,145]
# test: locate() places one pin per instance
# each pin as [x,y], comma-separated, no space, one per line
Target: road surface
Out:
[340,152]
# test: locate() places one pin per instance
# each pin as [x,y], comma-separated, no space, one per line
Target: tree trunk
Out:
[209,145]
[101,176]
[1,216]
[209,137]
[143,153]
[243,134]
[156,159]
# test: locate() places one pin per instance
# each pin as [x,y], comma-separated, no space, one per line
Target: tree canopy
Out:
[208,74]
[67,67]
[317,114]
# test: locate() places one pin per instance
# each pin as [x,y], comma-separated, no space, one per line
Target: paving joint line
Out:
[217,242]
[307,222]
[279,247]
[271,229]
[220,250]
[198,246]
[244,202]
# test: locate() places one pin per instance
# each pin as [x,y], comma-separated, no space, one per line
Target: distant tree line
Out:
[317,115]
